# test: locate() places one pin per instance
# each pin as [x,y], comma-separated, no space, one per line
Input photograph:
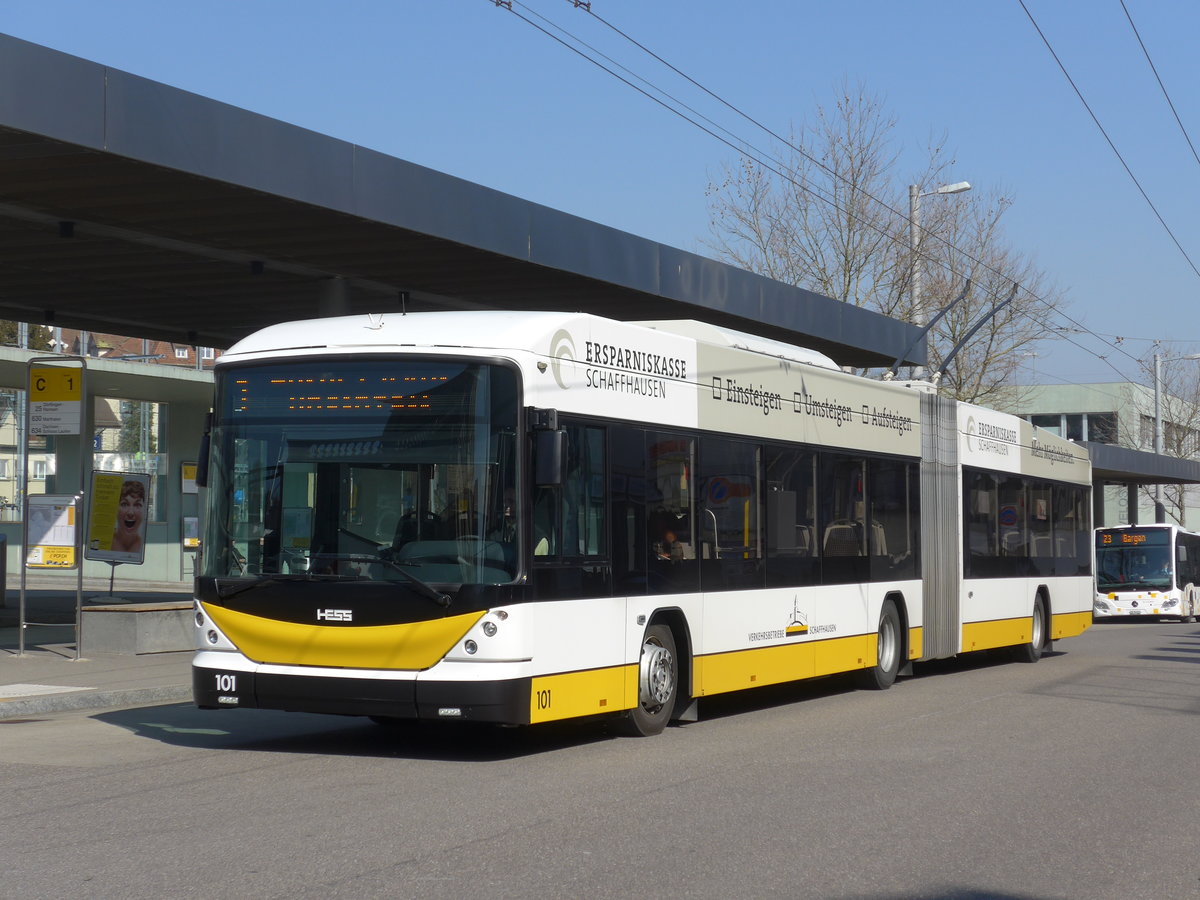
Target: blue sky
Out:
[469,89]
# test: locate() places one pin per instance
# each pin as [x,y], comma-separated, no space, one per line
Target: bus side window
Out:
[627,498]
[671,522]
[791,540]
[842,521]
[583,504]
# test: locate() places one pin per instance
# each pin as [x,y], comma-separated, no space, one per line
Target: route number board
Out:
[55,400]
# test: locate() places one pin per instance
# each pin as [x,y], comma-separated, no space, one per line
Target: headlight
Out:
[489,628]
[1101,605]
[1167,604]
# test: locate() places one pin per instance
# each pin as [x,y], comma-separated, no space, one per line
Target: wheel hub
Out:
[656,675]
[888,645]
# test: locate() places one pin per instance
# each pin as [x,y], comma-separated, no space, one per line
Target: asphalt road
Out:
[1076,777]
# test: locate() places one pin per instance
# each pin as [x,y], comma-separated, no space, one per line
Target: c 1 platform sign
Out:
[55,400]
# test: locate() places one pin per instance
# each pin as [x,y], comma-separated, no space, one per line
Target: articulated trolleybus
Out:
[526,517]
[1147,570]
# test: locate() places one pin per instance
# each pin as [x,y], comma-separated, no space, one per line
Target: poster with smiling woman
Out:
[117,524]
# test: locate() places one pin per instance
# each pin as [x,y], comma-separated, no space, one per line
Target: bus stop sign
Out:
[55,400]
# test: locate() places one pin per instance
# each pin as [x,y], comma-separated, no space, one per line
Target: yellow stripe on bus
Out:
[723,672]
[572,694]
[1070,624]
[1014,632]
[613,689]
[413,646]
[1000,633]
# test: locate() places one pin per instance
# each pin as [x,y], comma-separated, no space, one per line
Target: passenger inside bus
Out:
[668,547]
[505,529]
[666,544]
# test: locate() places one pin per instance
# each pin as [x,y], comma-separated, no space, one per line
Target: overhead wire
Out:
[587,8]
[1053,309]
[1109,140]
[735,143]
[740,146]
[1166,95]
[744,143]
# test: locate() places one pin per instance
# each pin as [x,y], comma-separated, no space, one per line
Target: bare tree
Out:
[1179,414]
[973,244]
[813,218]
[829,213]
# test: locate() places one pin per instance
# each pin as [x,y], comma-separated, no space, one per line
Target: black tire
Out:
[1032,652]
[890,648]
[658,683]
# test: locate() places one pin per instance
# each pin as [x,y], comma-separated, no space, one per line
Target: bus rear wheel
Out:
[1032,651]
[658,683]
[883,674]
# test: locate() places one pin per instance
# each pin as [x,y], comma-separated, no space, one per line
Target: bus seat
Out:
[842,539]
[878,540]
[804,540]
[1013,545]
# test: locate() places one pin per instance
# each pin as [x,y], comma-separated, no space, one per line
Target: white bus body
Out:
[616,518]
[1147,570]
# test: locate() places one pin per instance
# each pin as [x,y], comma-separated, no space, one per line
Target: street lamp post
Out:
[914,240]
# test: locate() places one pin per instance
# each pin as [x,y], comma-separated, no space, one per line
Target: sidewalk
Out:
[48,678]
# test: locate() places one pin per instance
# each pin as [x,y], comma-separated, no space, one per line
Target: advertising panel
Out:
[117,524]
[993,440]
[757,395]
[604,368]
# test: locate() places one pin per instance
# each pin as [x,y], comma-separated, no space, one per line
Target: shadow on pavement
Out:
[273,731]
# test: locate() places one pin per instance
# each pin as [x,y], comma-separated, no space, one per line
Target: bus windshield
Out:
[377,468]
[1133,560]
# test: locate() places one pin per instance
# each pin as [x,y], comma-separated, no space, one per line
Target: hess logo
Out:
[335,615]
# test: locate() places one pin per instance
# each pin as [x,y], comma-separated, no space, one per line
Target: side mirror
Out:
[549,452]
[205,447]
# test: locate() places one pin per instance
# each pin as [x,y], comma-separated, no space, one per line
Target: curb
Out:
[44,618]
[132,697]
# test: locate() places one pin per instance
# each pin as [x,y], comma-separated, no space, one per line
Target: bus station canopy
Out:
[1121,465]
[131,207]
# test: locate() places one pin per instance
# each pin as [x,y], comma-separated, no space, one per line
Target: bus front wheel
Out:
[883,674]
[658,683]
[1032,651]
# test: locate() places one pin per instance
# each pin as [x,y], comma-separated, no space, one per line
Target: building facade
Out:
[1122,414]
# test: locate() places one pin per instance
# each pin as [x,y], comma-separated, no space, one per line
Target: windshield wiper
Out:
[226,590]
[424,588]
